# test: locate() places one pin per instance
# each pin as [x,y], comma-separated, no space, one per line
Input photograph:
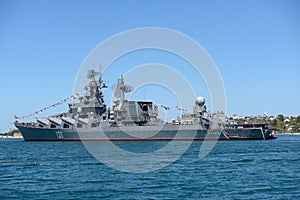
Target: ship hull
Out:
[144,133]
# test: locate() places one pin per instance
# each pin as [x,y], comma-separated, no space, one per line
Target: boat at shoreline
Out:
[90,119]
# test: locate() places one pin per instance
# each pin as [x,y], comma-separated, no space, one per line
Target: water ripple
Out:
[233,170]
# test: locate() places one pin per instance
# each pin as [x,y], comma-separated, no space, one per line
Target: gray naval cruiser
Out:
[89,119]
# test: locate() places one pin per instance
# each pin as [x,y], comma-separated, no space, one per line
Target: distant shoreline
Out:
[287,133]
[8,136]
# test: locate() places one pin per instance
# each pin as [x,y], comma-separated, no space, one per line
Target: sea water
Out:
[232,170]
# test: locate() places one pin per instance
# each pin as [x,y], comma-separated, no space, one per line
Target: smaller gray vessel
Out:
[90,119]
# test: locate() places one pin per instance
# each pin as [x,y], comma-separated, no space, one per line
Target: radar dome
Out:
[200,101]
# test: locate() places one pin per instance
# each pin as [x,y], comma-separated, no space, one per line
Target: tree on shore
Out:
[280,117]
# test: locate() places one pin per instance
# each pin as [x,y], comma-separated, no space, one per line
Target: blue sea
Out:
[232,170]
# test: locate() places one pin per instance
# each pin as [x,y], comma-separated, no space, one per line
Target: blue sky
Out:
[255,45]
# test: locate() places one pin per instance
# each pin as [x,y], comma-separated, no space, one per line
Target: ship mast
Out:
[120,91]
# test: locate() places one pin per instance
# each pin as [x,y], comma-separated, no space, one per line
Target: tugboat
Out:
[89,119]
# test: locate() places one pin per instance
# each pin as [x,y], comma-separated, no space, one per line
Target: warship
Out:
[90,119]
